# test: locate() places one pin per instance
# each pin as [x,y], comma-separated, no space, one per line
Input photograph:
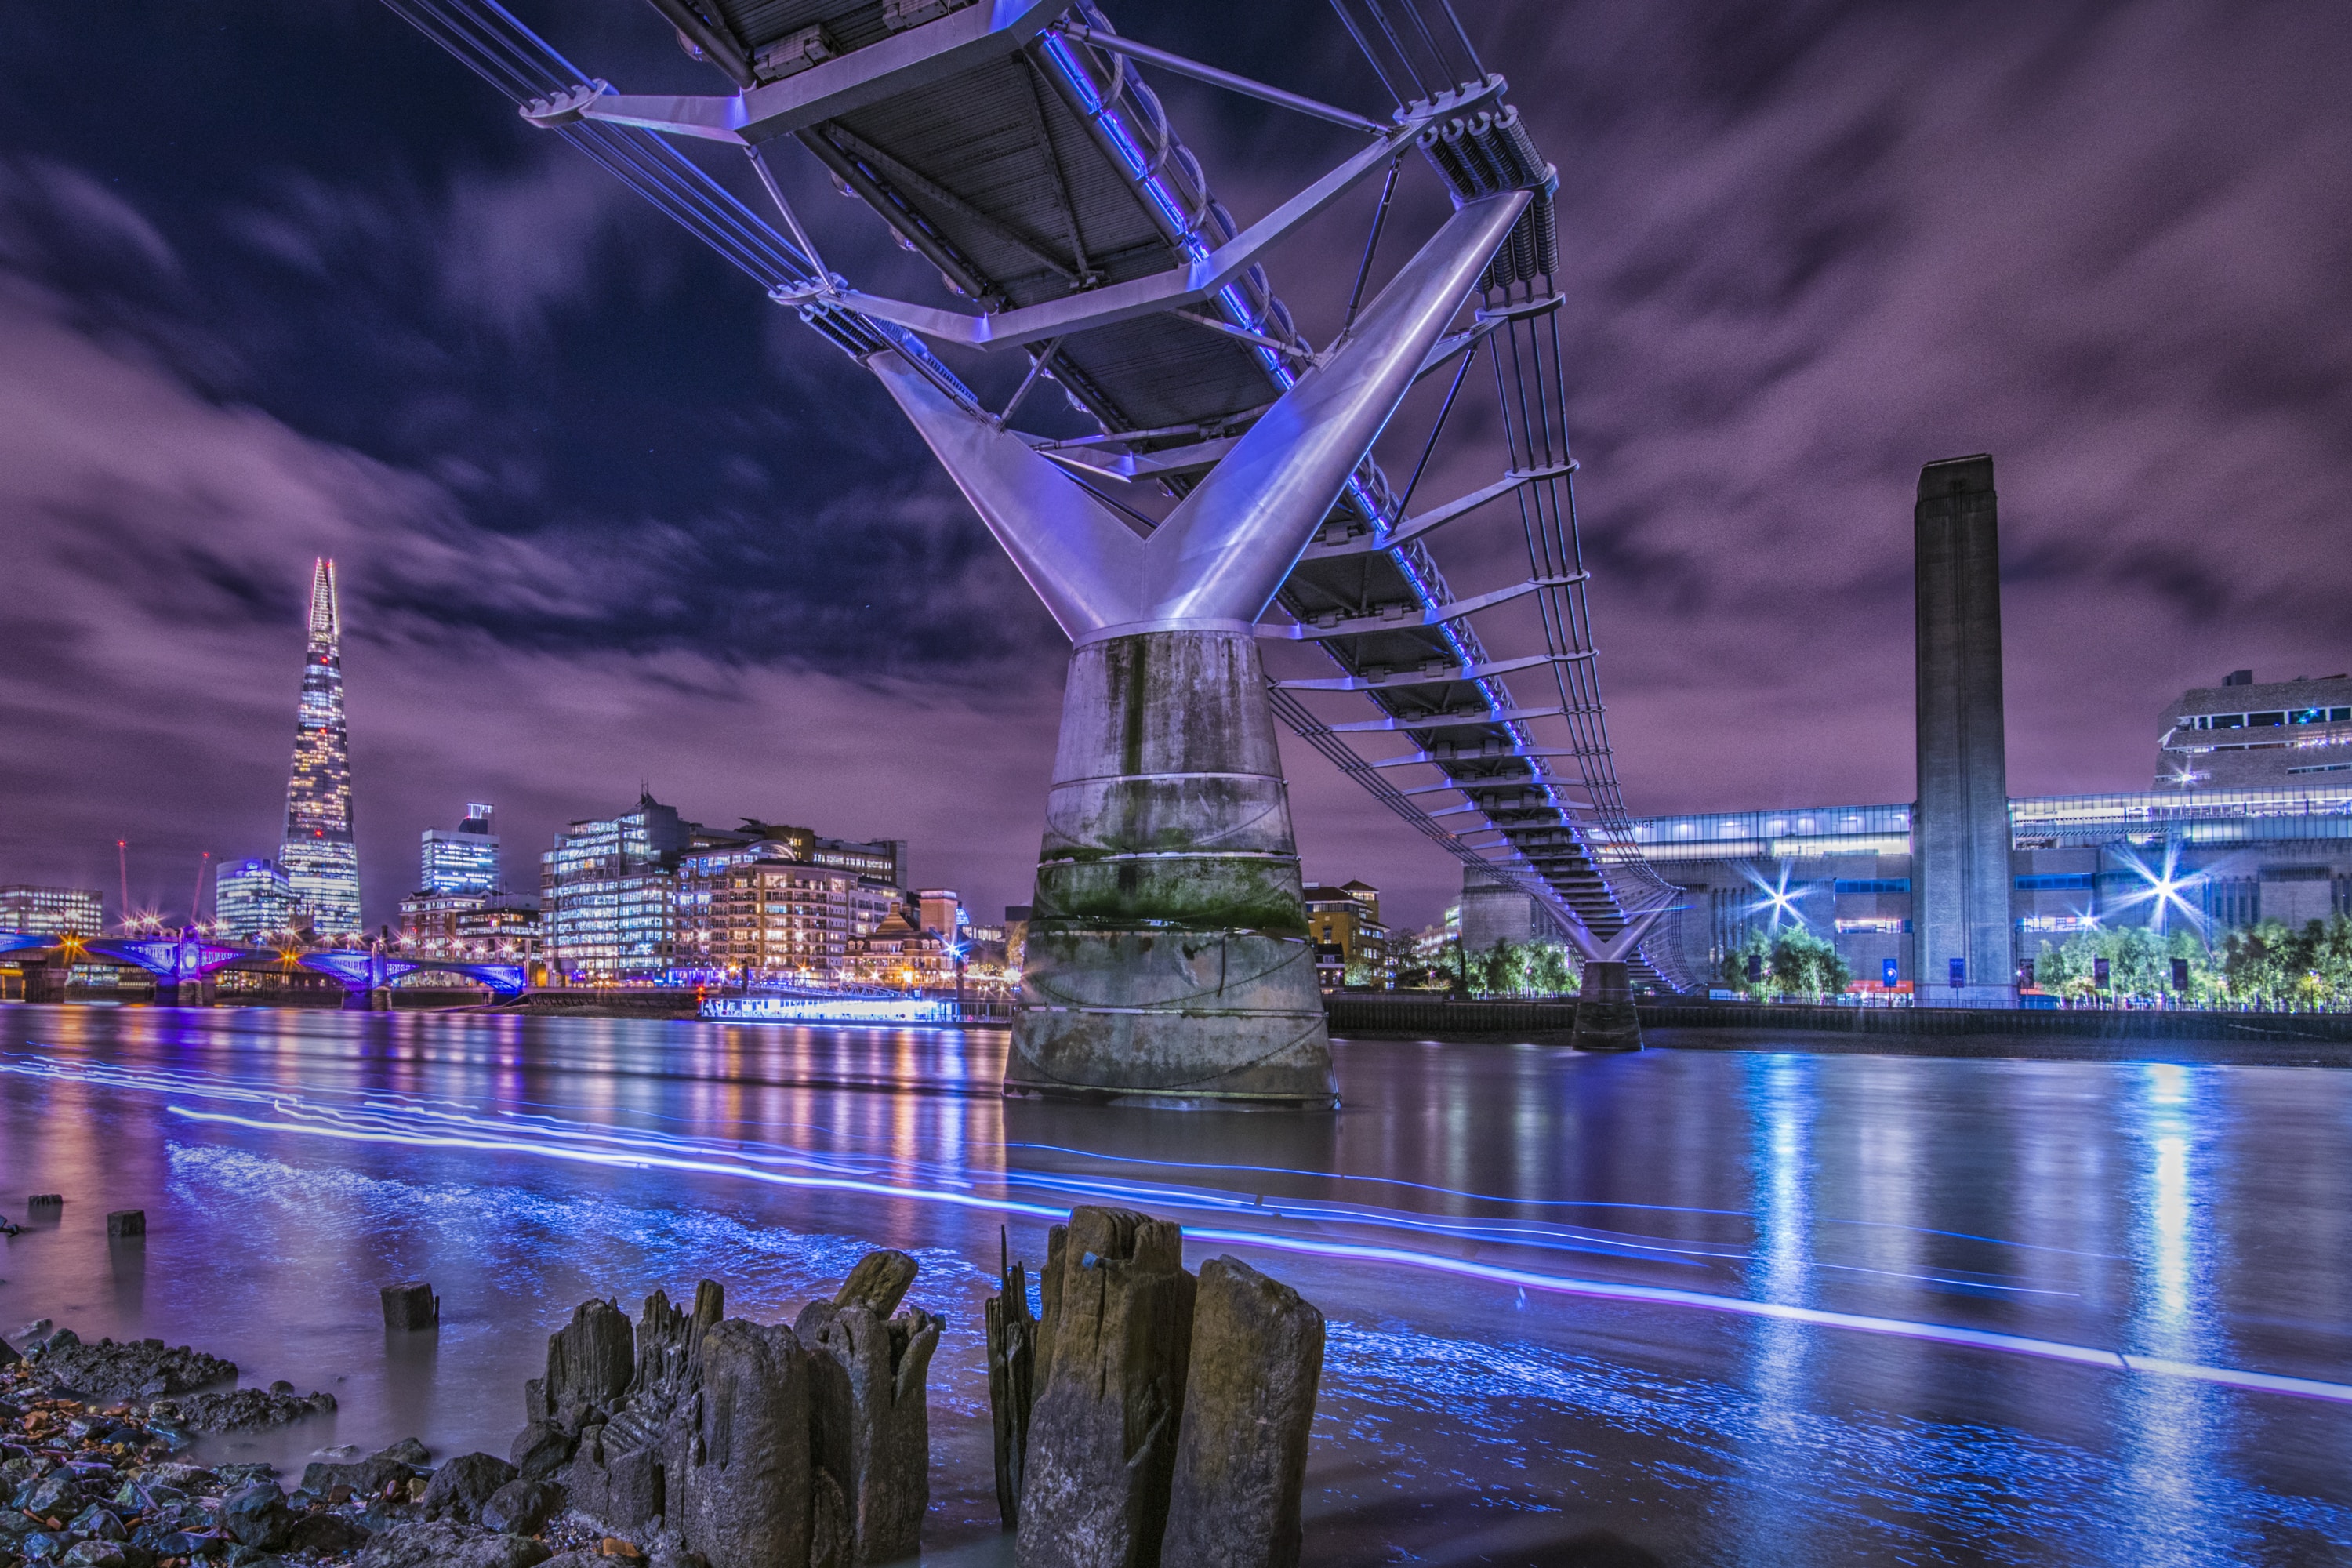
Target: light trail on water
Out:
[382,1122]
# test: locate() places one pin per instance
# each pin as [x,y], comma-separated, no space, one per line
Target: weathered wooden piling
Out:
[1102,1439]
[408,1307]
[1249,1408]
[1011,1378]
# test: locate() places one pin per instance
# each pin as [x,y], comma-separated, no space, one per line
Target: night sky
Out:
[278,281]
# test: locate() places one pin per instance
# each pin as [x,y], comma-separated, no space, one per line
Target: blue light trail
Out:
[383,1122]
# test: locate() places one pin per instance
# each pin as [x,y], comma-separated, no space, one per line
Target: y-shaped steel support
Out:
[1168,961]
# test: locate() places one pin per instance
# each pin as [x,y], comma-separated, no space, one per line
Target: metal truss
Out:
[1170,338]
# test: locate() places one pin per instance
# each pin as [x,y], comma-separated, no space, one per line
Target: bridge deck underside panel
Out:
[1000,171]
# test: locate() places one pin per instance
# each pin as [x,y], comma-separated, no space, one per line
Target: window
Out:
[2227,721]
[2308,716]
[1856,885]
[2264,720]
[2056,883]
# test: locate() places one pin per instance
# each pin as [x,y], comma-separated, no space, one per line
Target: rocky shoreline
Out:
[1147,1418]
[90,1439]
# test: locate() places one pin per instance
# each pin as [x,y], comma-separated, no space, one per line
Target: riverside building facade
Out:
[650,897]
[2210,859]
[51,911]
[1344,925]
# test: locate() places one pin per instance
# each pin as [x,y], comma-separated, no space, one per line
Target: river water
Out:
[1709,1307]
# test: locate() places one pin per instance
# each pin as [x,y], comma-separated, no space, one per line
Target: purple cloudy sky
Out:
[282,280]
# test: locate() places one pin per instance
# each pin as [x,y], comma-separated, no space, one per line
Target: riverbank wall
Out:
[2095,1034]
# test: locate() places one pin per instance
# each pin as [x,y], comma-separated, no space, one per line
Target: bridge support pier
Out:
[195,991]
[368,999]
[1605,1016]
[1168,961]
[48,981]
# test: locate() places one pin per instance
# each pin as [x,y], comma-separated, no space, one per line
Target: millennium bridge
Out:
[1220,542]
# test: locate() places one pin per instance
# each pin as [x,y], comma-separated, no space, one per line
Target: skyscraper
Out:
[252,900]
[320,860]
[466,861]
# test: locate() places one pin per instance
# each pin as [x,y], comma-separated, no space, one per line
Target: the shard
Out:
[320,860]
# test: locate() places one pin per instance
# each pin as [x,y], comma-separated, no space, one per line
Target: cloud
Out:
[605,514]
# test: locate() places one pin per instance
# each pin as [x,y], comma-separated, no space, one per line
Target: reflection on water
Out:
[1736,1307]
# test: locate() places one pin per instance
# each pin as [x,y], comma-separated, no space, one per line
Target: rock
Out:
[124,1225]
[55,1496]
[739,1470]
[250,1557]
[258,1516]
[408,1451]
[242,1409]
[1102,1438]
[522,1507]
[877,1282]
[367,1478]
[97,1554]
[8,1356]
[407,1308]
[617,1489]
[461,1486]
[869,1422]
[324,1534]
[541,1450]
[444,1545]
[107,1372]
[185,1477]
[1249,1408]
[96,1520]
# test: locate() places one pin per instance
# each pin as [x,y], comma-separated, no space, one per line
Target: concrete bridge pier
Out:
[194,991]
[368,999]
[1168,958]
[1605,1016]
[47,981]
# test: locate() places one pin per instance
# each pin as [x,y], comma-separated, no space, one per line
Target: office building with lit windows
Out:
[51,911]
[608,904]
[754,913]
[650,897]
[466,861]
[253,900]
[320,857]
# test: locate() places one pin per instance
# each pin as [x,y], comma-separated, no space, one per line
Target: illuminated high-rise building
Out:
[466,861]
[320,860]
[253,899]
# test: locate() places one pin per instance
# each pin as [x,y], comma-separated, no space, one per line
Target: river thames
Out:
[1706,1307]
